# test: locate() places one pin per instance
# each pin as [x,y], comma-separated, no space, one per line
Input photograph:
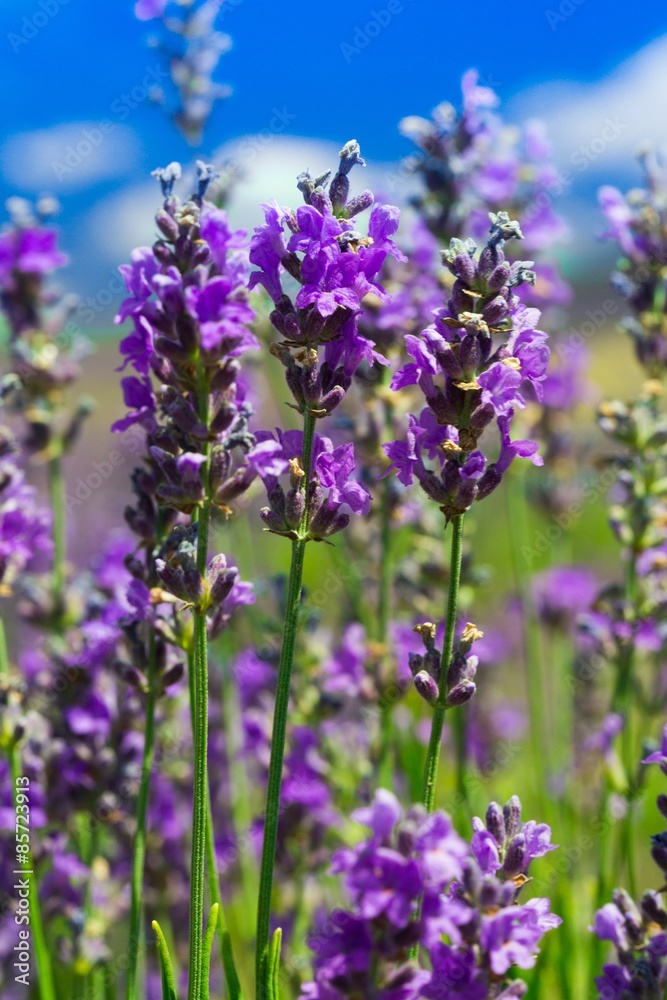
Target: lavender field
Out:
[333,509]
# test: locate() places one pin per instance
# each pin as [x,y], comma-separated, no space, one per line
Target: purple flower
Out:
[331,471]
[456,975]
[381,816]
[138,396]
[33,250]
[659,756]
[511,937]
[485,847]
[467,380]
[345,671]
[609,925]
[441,852]
[25,528]
[337,266]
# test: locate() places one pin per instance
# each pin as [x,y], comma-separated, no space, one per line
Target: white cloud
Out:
[598,127]
[69,157]
[266,168]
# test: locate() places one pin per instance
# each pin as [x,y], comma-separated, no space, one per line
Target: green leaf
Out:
[273,972]
[231,975]
[209,935]
[168,983]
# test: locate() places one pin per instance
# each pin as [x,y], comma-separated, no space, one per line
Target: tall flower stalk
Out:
[188,304]
[440,704]
[485,351]
[336,266]
[280,715]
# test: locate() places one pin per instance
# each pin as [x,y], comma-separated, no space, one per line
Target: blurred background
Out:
[80,122]
[305,79]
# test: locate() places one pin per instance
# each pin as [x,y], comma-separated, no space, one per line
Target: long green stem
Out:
[272,811]
[196,986]
[440,707]
[215,896]
[435,741]
[200,796]
[139,847]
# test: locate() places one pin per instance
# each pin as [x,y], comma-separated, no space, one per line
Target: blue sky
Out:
[335,71]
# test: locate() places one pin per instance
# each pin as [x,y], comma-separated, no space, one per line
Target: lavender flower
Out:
[638,932]
[331,491]
[45,345]
[636,223]
[193,48]
[336,266]
[188,299]
[479,384]
[25,527]
[470,163]
[364,951]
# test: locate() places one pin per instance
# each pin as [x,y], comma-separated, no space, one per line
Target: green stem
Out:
[42,956]
[440,707]
[199,808]
[272,810]
[196,986]
[57,500]
[139,847]
[435,742]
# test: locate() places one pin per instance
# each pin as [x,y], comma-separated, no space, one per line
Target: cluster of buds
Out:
[638,931]
[336,266]
[474,365]
[426,667]
[214,594]
[46,345]
[318,509]
[192,48]
[637,223]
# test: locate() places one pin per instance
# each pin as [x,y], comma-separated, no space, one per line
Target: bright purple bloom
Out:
[469,377]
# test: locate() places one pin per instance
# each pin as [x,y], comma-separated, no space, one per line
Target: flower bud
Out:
[426,687]
[359,203]
[462,693]
[295,503]
[495,822]
[488,893]
[515,858]
[512,814]
[415,663]
[172,676]
[166,224]
[221,580]
[653,910]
